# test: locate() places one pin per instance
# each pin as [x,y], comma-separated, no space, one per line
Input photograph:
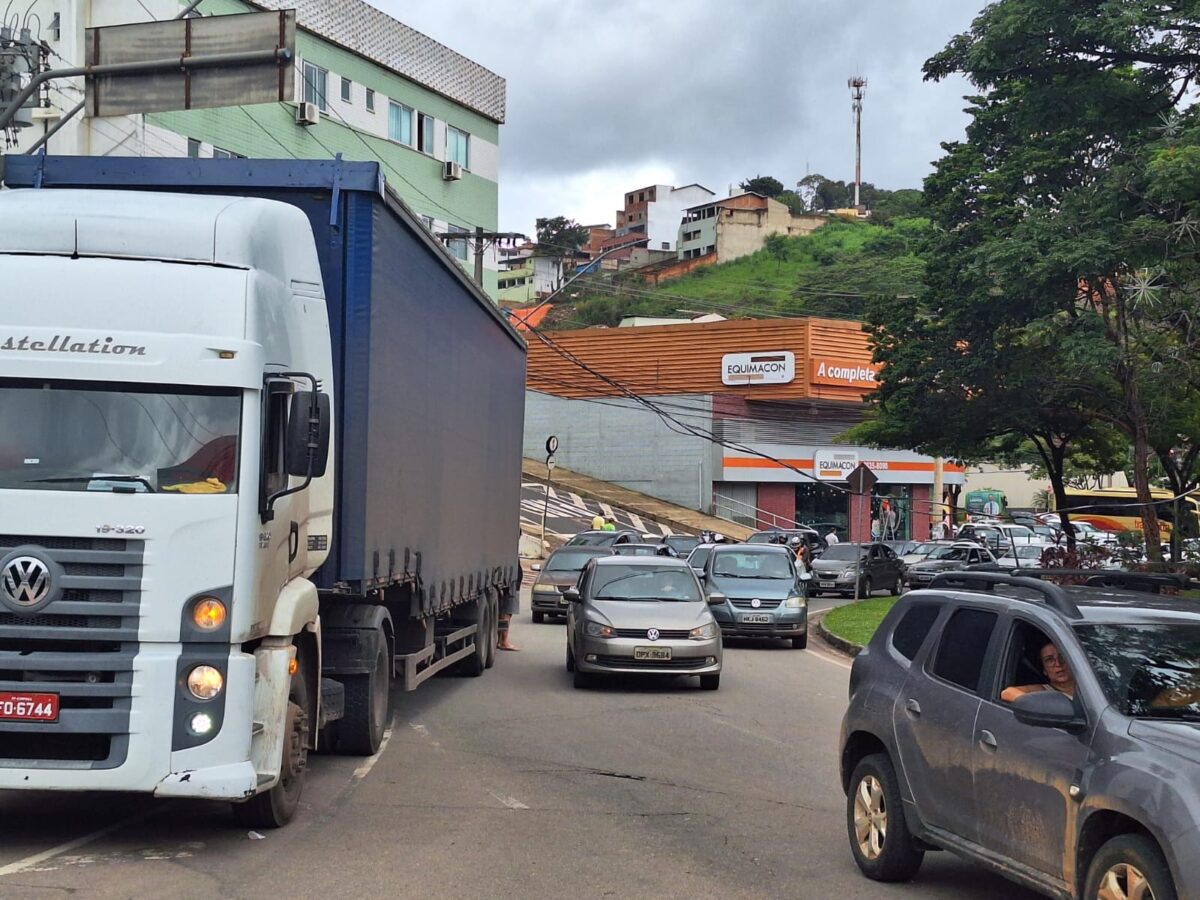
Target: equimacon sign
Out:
[768,367]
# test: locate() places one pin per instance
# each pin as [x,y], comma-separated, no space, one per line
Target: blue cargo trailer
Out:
[429,406]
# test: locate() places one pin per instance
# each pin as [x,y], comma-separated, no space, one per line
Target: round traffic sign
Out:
[551,445]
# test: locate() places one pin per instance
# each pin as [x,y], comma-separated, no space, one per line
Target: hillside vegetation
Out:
[828,273]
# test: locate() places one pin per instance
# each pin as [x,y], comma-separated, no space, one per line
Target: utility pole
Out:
[483,240]
[858,90]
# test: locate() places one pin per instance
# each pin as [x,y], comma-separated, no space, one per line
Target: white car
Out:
[1028,556]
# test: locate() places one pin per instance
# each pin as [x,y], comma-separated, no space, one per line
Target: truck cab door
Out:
[284,534]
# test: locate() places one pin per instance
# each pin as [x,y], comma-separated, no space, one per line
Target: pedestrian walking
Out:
[510,605]
[800,548]
[610,524]
[875,532]
[597,522]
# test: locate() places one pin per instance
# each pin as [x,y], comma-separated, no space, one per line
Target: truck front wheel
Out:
[276,807]
[368,702]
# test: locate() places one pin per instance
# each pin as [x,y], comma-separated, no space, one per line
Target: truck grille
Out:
[80,647]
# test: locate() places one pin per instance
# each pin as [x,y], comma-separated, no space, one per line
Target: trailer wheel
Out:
[368,701]
[276,807]
[474,664]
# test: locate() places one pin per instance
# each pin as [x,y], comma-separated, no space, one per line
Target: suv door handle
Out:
[912,706]
[987,739]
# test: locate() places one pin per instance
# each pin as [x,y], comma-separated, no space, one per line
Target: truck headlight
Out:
[595,629]
[208,613]
[704,632]
[794,603]
[205,682]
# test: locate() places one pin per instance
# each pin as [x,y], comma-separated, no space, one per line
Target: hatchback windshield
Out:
[58,436]
[732,564]
[1148,671]
[921,550]
[844,551]
[644,583]
[569,560]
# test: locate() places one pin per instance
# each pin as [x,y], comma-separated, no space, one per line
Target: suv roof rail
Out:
[1145,582]
[1055,596]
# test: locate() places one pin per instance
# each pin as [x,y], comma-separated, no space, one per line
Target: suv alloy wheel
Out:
[880,840]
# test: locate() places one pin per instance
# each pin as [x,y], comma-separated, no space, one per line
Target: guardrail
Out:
[747,514]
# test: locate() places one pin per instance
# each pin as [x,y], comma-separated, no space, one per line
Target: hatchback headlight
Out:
[794,603]
[704,632]
[545,589]
[849,573]
[596,629]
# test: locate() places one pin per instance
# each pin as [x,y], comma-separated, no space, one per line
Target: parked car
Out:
[921,551]
[1050,736]
[560,571]
[604,538]
[1024,556]
[682,544]
[947,558]
[643,550]
[641,615]
[875,565]
[756,590]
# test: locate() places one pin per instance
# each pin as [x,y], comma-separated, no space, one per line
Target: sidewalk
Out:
[677,518]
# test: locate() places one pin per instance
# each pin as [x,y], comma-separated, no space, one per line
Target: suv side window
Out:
[963,647]
[909,633]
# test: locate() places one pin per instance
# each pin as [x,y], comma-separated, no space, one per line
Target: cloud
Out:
[604,98]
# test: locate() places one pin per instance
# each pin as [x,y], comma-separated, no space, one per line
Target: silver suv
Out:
[1049,733]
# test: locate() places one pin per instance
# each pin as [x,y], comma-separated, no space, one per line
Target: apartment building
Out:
[655,211]
[737,226]
[382,90]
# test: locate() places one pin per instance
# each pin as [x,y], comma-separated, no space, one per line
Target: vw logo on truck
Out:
[25,582]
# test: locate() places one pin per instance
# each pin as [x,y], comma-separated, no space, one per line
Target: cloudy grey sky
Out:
[605,97]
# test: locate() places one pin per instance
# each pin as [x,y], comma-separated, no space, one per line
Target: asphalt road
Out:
[568,513]
[517,785]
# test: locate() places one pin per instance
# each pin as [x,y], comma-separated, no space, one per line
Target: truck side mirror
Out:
[307,451]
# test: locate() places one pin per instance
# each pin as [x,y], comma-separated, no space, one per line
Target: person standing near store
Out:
[610,524]
[597,522]
[832,537]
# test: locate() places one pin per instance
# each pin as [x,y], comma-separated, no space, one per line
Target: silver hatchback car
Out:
[637,615]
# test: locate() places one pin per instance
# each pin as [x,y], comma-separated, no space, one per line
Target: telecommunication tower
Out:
[858,90]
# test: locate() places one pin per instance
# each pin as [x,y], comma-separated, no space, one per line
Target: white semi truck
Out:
[260,444]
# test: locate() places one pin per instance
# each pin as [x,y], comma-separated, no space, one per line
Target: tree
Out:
[776,246]
[763,184]
[560,237]
[1045,219]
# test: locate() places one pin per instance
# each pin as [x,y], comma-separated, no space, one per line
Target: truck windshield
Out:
[58,436]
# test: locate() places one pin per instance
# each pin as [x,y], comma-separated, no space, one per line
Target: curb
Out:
[837,643]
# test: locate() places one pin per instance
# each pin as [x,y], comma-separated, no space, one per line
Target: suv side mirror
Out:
[307,451]
[572,594]
[716,598]
[1048,709]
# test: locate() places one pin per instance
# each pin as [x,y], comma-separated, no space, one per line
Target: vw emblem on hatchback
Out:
[652,634]
[25,581]
[755,603]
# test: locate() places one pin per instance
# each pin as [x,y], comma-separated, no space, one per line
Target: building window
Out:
[370,100]
[315,80]
[428,222]
[193,148]
[458,246]
[218,153]
[400,123]
[425,134]
[346,88]
[458,146]
[666,245]
[641,197]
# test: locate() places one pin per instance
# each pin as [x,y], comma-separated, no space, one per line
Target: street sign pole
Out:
[861,482]
[551,446]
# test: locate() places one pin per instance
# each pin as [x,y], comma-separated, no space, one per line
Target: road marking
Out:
[829,658]
[22,864]
[553,493]
[636,522]
[577,500]
[607,510]
[365,769]
[510,802]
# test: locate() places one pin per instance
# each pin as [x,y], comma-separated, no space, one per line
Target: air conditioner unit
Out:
[451,171]
[308,114]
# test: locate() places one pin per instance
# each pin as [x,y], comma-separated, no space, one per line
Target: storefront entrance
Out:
[823,505]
